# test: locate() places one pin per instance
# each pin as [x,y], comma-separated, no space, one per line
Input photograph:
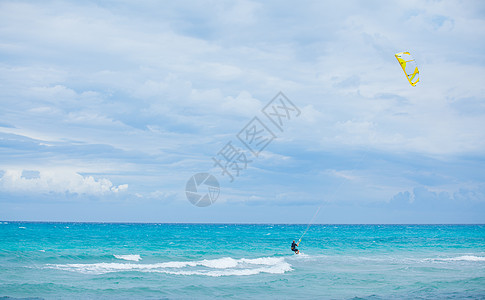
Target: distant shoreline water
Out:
[105,260]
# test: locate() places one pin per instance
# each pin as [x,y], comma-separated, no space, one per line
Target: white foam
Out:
[465,258]
[267,261]
[221,263]
[130,257]
[225,266]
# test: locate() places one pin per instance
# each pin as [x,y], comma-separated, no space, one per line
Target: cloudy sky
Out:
[108,108]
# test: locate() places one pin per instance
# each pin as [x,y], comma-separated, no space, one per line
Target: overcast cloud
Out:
[109,107]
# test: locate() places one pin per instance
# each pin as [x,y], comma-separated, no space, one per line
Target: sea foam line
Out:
[464,258]
[130,257]
[225,266]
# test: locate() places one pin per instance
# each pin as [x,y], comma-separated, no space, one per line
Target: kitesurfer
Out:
[293,247]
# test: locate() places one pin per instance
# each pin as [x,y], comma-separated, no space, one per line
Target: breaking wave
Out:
[465,258]
[225,266]
[131,257]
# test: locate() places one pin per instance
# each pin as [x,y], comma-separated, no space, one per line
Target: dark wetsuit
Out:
[293,247]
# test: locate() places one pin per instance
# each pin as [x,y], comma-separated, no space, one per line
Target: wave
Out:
[225,266]
[464,258]
[131,257]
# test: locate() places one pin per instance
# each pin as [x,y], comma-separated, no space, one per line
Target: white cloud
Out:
[348,175]
[57,181]
[56,94]
[243,104]
[239,12]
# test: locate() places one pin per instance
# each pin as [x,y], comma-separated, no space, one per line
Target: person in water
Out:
[293,247]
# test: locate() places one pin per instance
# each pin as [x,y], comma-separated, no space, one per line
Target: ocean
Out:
[240,261]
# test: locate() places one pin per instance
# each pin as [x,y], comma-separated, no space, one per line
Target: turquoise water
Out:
[206,261]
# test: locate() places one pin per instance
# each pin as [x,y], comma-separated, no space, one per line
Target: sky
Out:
[109,108]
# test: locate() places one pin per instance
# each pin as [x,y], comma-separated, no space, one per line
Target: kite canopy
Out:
[409,67]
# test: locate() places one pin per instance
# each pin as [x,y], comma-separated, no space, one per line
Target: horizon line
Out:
[225,223]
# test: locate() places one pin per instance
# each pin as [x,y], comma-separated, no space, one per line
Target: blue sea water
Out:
[207,261]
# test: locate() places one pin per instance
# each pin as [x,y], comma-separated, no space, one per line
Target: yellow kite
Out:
[409,67]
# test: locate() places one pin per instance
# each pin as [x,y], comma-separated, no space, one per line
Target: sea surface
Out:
[207,261]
